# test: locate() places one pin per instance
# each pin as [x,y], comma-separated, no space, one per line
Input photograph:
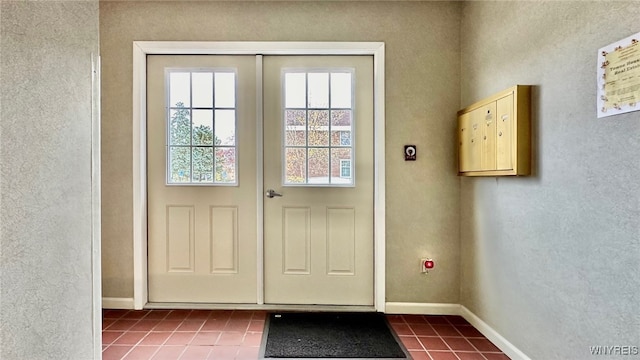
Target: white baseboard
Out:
[498,340]
[422,308]
[117,303]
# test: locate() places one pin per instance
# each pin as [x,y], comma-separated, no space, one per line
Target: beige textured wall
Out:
[46,284]
[552,261]
[422,89]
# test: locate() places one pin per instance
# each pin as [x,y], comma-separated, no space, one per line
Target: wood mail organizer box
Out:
[494,135]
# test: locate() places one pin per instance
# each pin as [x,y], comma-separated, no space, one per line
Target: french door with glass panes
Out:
[318,154]
[201,179]
[203,186]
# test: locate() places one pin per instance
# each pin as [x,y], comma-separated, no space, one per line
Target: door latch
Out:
[272,193]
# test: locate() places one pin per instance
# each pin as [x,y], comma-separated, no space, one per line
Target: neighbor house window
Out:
[318,126]
[201,127]
[345,168]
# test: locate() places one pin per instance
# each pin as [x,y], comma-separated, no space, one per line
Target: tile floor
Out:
[229,335]
[443,338]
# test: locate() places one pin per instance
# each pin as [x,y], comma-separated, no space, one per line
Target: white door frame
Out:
[143,48]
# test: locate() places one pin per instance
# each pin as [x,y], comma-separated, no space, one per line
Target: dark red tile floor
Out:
[443,338]
[229,335]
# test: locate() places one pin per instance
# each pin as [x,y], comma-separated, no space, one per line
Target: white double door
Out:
[236,212]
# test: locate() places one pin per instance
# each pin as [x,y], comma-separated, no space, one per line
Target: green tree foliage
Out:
[197,145]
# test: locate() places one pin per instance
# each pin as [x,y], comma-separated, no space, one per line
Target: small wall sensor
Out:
[410,152]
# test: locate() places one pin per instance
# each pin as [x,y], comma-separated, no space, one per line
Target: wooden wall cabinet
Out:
[494,135]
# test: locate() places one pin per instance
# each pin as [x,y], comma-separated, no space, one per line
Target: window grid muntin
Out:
[306,109]
[190,108]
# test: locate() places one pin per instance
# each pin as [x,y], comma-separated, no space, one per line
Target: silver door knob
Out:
[272,193]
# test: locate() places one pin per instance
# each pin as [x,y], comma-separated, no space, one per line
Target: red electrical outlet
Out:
[427,264]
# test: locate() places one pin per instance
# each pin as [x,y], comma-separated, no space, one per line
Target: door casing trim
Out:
[143,48]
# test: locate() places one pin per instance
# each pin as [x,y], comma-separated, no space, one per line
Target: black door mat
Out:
[308,335]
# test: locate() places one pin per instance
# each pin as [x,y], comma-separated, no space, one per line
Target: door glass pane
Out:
[341,128]
[179,89]
[295,128]
[319,166]
[318,127]
[295,85]
[318,90]
[202,89]
[225,90]
[341,170]
[201,127]
[341,118]
[202,165]
[225,164]
[179,164]
[295,166]
[340,137]
[341,90]
[225,127]
[318,137]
